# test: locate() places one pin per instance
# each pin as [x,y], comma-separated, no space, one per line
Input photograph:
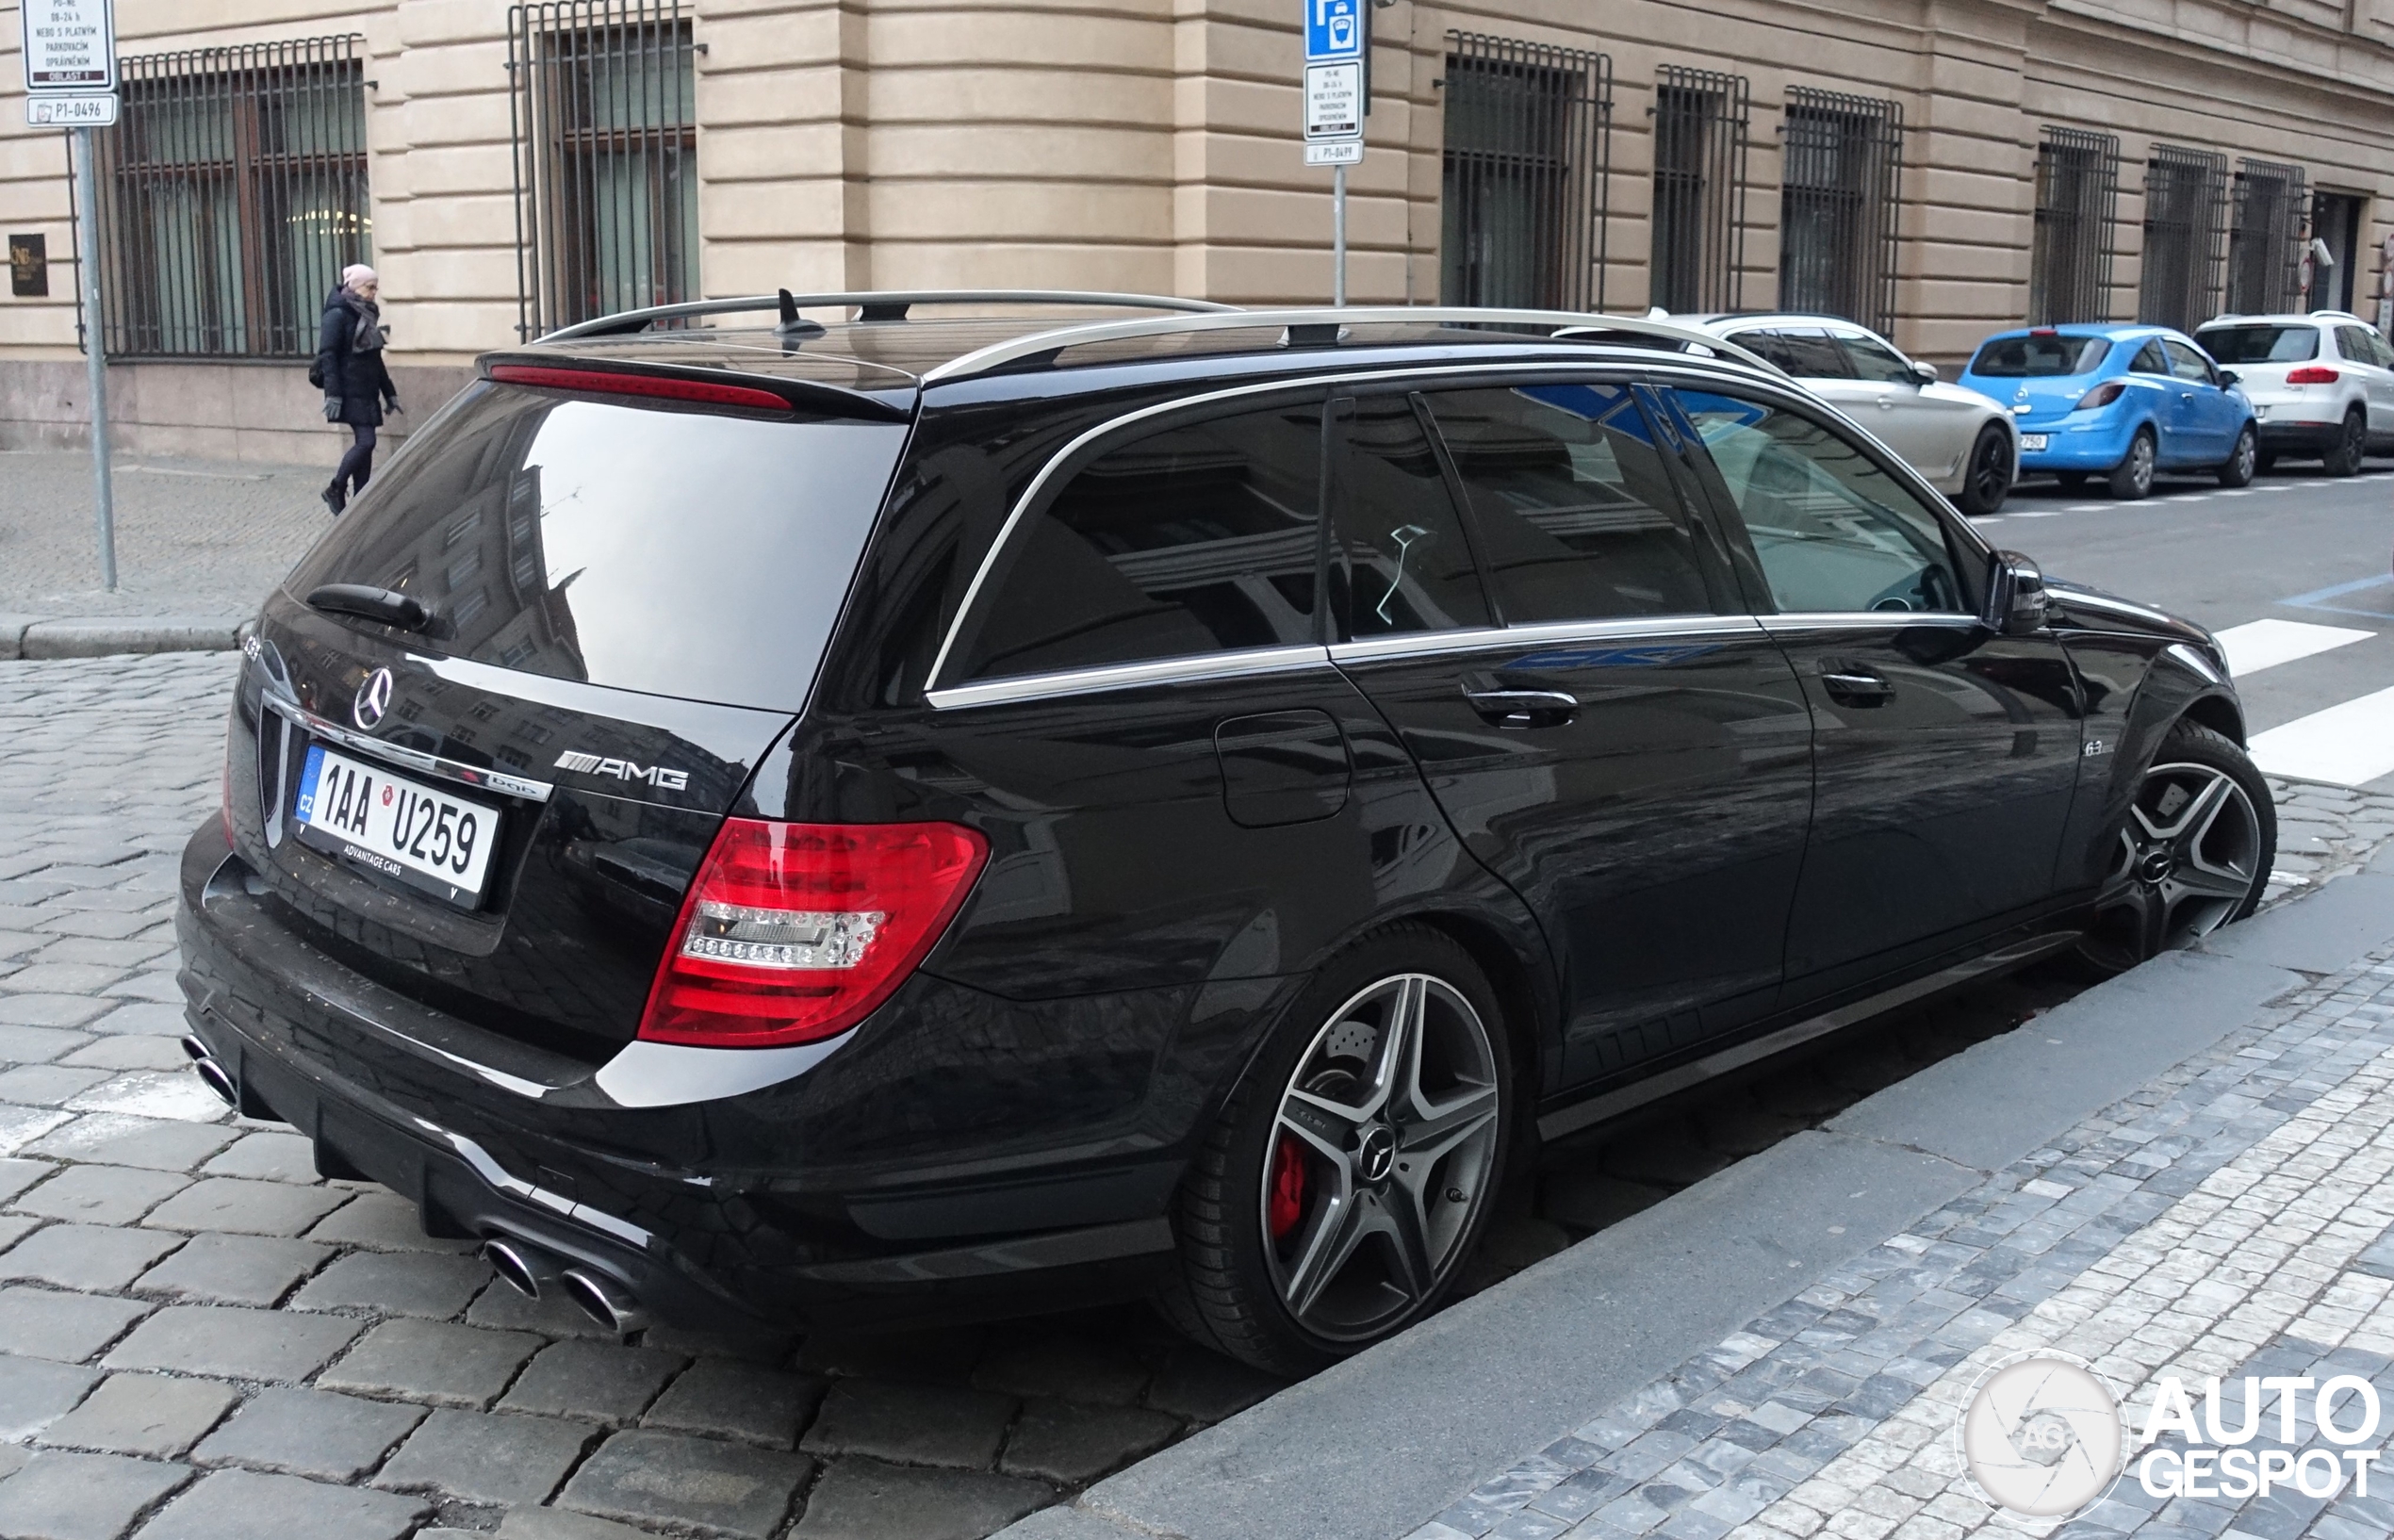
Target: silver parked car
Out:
[1963,442]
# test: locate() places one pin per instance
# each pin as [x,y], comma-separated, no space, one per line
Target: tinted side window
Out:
[1196,540]
[2149,360]
[1575,516]
[2189,365]
[1875,362]
[2353,343]
[1808,353]
[1832,531]
[1399,551]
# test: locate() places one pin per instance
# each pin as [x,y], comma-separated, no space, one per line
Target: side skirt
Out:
[1613,1103]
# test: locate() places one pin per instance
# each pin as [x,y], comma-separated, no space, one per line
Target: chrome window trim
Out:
[1200,668]
[1130,421]
[1867,619]
[1544,633]
[412,758]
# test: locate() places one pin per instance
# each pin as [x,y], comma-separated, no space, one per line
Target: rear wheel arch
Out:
[1530,1004]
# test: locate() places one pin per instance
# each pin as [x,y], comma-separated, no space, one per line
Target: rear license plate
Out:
[2032,443]
[403,828]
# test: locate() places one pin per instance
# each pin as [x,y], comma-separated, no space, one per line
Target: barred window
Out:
[1838,206]
[232,194]
[606,158]
[2077,201]
[1700,190]
[2265,248]
[1528,174]
[2185,228]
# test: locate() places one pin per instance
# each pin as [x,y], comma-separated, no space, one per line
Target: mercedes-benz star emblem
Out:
[373,699]
[1378,1153]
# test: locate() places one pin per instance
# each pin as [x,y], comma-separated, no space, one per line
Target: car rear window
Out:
[2233,345]
[2035,357]
[653,548]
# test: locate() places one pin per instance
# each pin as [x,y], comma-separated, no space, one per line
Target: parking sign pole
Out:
[1338,235]
[86,261]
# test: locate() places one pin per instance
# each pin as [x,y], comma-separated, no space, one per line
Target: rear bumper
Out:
[2300,438]
[703,1211]
[2080,445]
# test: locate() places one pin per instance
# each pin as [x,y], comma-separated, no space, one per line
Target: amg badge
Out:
[655,775]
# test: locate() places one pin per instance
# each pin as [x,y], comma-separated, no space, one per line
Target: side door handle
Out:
[1524,708]
[1855,684]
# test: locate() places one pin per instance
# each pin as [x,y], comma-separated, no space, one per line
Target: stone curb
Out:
[29,636]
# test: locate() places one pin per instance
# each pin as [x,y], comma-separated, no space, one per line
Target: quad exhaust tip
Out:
[536,1274]
[211,1074]
[605,1302]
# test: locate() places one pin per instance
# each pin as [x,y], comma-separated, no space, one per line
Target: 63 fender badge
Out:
[655,775]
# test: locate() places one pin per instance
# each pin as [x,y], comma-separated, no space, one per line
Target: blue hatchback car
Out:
[2117,402]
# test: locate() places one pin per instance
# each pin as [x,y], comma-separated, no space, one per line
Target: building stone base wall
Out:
[265,414]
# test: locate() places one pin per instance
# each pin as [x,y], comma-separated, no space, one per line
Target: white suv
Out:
[2322,384]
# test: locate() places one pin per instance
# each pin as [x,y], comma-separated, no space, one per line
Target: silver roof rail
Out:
[875,304]
[997,355]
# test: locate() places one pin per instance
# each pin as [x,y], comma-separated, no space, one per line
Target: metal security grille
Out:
[1528,177]
[232,194]
[2265,250]
[2186,230]
[2078,204]
[1838,206]
[606,158]
[1700,190]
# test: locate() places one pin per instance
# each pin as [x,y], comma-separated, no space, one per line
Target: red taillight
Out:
[2312,375]
[2044,331]
[2102,395]
[794,932]
[609,382]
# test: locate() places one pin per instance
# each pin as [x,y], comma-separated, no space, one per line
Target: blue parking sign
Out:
[1334,29]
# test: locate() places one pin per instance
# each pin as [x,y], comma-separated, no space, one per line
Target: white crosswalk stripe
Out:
[2349,743]
[2265,643]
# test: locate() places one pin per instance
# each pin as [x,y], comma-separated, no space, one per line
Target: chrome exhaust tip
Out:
[605,1302]
[524,1269]
[212,1075]
[194,1050]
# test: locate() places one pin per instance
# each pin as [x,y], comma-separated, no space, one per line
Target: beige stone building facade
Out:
[1943,166]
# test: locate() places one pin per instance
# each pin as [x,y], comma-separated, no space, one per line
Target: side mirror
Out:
[1925,373]
[2230,379]
[2016,602]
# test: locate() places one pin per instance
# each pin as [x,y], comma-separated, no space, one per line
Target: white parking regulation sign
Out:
[70,45]
[1334,100]
[55,109]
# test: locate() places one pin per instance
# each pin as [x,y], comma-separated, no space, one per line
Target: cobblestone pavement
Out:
[2231,1219]
[203,1338]
[193,538]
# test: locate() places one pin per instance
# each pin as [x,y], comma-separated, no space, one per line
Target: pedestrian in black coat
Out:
[349,369]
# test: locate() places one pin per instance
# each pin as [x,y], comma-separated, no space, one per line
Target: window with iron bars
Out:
[2265,248]
[606,158]
[1698,253]
[231,192]
[1528,174]
[2077,202]
[2185,229]
[1838,206]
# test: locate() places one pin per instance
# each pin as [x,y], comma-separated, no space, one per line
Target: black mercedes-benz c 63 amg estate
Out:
[759,816]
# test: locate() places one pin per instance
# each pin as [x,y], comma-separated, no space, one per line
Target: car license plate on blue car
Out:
[2032,443]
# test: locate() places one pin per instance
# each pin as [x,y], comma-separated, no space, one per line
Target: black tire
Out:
[2071,480]
[1229,1293]
[2132,478]
[1986,478]
[2352,445]
[2243,462]
[2214,872]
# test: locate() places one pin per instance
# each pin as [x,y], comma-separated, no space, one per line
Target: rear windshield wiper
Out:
[383,604]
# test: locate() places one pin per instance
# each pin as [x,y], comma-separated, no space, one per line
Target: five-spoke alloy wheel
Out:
[2192,855]
[1352,1172]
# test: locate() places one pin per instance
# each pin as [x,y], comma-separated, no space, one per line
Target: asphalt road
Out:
[2296,547]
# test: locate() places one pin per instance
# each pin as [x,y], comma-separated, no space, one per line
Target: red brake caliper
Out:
[1287,1201]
